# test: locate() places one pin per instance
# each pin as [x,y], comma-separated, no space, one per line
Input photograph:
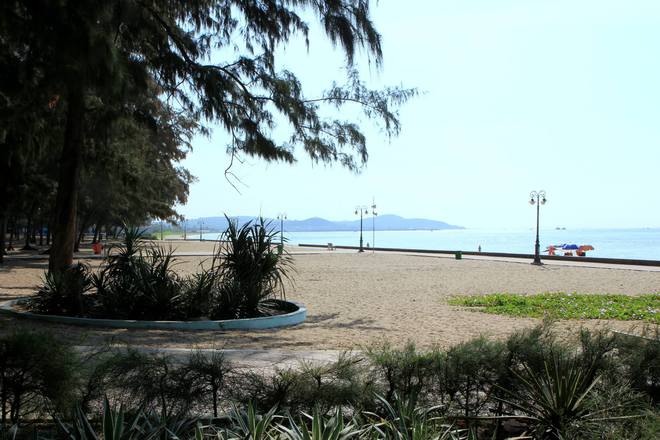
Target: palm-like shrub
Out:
[139,282]
[198,292]
[253,274]
[246,279]
[64,293]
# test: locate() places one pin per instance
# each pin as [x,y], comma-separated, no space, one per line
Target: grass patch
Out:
[567,305]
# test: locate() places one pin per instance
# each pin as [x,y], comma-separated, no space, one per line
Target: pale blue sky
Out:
[520,94]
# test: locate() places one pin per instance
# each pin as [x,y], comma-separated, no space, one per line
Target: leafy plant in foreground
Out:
[333,428]
[402,419]
[558,397]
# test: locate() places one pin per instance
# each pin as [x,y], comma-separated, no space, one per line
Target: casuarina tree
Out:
[215,60]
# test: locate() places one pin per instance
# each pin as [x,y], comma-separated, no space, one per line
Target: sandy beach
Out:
[358,299]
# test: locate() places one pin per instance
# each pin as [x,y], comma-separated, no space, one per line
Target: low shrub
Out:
[152,382]
[405,372]
[208,376]
[533,385]
[37,376]
[639,359]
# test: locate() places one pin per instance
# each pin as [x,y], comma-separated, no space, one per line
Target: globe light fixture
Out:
[537,198]
[362,210]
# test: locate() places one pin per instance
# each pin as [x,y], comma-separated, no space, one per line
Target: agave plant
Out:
[248,425]
[404,420]
[117,425]
[253,272]
[320,428]
[557,398]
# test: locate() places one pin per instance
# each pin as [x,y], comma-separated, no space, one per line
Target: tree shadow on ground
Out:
[12,264]
[272,338]
[315,319]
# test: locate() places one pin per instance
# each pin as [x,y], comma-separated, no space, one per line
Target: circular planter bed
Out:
[294,317]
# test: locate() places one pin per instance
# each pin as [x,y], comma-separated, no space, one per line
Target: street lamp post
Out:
[373,225]
[537,198]
[201,228]
[184,228]
[281,216]
[361,210]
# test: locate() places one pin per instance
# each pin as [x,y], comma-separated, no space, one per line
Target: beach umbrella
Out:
[570,247]
[586,247]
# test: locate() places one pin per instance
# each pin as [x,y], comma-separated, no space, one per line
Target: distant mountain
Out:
[316,224]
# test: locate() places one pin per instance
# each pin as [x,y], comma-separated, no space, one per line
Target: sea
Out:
[608,243]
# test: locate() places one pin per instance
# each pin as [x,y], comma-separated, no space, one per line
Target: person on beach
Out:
[479,248]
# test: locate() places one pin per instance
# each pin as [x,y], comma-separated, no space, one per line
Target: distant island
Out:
[387,222]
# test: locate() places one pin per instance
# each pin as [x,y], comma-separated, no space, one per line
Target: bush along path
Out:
[246,279]
[531,385]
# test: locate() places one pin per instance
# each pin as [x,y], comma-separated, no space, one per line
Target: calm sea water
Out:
[614,243]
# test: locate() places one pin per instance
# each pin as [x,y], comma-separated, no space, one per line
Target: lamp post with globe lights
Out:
[373,225]
[281,217]
[361,211]
[537,198]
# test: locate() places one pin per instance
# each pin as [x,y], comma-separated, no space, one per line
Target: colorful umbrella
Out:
[586,247]
[570,247]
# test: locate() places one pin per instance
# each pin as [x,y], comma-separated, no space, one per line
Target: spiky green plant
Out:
[317,427]
[253,272]
[557,398]
[64,292]
[139,282]
[116,424]
[249,425]
[402,419]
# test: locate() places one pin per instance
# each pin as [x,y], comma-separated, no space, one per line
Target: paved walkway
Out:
[249,359]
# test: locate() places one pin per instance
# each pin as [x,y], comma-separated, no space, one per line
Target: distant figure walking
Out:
[479,248]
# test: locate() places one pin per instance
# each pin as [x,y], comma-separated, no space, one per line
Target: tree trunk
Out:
[76,248]
[3,231]
[64,227]
[5,162]
[41,233]
[28,225]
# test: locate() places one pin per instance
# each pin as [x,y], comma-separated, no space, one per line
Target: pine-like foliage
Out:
[212,60]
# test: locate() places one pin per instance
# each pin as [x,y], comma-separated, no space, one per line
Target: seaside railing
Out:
[628,261]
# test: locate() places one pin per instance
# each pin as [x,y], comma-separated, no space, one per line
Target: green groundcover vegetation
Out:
[532,385]
[567,305]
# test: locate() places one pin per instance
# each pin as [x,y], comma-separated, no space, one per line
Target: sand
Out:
[355,300]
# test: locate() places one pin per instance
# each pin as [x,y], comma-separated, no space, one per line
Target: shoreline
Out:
[622,244]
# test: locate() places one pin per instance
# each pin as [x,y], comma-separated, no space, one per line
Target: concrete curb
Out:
[266,322]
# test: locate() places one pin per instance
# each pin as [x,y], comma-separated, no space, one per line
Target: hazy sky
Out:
[560,95]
